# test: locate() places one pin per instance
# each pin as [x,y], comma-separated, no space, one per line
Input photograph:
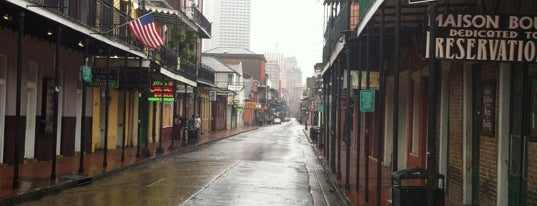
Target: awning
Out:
[368,15]
[178,77]
[179,15]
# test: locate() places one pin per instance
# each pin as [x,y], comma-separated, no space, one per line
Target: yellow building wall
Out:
[157,122]
[134,121]
[131,124]
[112,119]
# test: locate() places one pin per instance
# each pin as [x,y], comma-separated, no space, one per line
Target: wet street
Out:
[273,165]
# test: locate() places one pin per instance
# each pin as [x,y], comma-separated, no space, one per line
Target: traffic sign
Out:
[367,100]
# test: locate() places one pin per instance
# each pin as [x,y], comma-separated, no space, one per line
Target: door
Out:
[121,110]
[417,116]
[143,117]
[102,116]
[519,133]
[29,145]
[476,132]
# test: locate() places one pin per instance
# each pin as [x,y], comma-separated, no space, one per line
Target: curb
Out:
[84,180]
[333,185]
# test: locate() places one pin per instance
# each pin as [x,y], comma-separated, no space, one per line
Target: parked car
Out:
[277,121]
[287,119]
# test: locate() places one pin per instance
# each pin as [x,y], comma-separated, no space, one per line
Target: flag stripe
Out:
[145,30]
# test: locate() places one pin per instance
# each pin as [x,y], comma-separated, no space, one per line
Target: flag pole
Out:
[127,23]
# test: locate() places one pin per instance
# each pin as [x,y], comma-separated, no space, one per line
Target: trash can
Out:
[314,132]
[414,193]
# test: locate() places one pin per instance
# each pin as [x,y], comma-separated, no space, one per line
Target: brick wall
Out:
[455,164]
[532,162]
[532,173]
[488,148]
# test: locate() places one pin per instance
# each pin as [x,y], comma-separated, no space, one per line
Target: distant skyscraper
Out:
[275,58]
[272,68]
[292,73]
[230,23]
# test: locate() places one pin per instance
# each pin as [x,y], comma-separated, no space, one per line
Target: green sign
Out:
[159,99]
[367,100]
[321,108]
[86,73]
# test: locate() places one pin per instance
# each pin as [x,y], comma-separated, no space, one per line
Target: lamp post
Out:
[307,113]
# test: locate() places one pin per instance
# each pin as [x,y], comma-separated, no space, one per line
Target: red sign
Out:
[159,89]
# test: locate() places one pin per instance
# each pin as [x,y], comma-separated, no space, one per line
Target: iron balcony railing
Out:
[334,27]
[101,16]
[167,58]
[188,70]
[205,74]
[200,19]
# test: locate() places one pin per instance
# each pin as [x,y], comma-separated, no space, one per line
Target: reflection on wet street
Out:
[274,165]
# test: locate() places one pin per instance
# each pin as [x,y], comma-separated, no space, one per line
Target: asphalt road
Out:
[274,165]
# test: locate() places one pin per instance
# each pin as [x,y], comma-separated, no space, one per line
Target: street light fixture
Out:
[318,68]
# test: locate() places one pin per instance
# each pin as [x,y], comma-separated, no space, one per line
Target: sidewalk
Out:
[352,195]
[35,181]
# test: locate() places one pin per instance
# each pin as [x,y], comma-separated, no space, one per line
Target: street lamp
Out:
[318,68]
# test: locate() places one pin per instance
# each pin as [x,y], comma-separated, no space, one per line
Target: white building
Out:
[228,80]
[230,23]
[237,81]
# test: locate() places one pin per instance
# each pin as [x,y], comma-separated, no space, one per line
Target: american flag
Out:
[144,29]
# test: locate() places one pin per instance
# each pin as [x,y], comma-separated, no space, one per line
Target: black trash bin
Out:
[314,132]
[414,194]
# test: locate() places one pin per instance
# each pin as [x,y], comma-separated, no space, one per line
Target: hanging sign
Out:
[101,77]
[181,89]
[230,98]
[251,105]
[419,1]
[235,88]
[161,90]
[212,96]
[483,37]
[86,73]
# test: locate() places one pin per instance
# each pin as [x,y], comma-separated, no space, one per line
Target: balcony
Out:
[335,25]
[188,70]
[168,59]
[206,75]
[202,22]
[98,15]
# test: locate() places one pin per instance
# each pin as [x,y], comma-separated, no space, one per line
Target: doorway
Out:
[29,145]
[520,130]
[476,132]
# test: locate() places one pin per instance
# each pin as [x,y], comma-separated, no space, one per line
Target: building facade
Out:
[230,22]
[73,83]
[464,113]
[253,72]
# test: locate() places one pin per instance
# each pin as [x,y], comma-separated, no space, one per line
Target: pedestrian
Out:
[190,124]
[184,129]
[177,124]
[197,126]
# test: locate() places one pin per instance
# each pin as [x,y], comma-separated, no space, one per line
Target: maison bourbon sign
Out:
[506,38]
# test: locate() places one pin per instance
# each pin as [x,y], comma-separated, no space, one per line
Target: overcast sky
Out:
[296,25]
